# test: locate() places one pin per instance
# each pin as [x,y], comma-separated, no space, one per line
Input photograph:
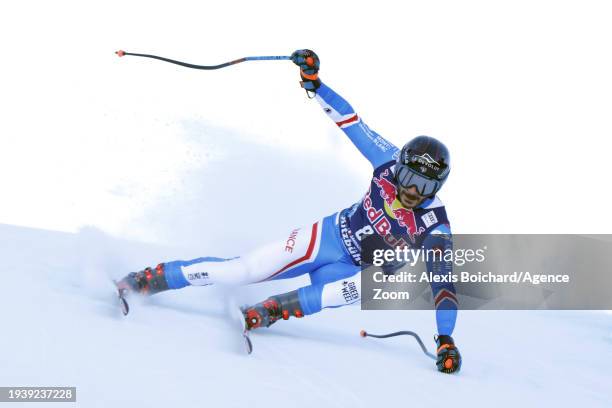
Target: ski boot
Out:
[271,310]
[146,282]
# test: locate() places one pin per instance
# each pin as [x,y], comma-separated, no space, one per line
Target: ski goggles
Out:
[407,177]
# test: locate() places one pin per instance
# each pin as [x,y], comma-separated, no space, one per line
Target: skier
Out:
[401,200]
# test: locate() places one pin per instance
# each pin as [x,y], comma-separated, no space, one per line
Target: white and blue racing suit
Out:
[329,250]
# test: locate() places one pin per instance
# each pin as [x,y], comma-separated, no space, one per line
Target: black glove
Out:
[309,64]
[449,359]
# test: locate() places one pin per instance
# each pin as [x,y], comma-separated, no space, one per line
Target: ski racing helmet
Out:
[424,162]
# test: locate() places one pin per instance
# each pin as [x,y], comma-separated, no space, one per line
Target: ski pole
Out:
[364,334]
[122,53]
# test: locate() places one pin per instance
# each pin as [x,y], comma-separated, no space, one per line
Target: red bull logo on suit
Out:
[393,208]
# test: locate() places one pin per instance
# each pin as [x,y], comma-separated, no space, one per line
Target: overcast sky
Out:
[519,91]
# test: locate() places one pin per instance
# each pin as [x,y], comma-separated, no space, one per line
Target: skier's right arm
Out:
[374,147]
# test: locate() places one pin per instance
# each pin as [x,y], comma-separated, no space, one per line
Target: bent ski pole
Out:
[364,334]
[122,53]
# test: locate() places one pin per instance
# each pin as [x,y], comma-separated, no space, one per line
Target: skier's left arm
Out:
[444,298]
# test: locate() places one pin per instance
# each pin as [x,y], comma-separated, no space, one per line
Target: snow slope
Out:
[63,327]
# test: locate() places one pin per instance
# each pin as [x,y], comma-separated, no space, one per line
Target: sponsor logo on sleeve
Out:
[429,219]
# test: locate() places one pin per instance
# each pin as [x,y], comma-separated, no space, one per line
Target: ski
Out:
[236,314]
[248,344]
[121,292]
